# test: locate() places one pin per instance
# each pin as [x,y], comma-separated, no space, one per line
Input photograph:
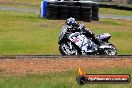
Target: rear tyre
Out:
[65,49]
[111,51]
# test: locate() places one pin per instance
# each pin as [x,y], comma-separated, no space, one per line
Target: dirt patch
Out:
[23,66]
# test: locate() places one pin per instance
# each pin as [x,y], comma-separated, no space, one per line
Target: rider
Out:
[77,27]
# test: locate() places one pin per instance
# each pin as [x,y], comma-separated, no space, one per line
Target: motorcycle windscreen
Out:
[63,31]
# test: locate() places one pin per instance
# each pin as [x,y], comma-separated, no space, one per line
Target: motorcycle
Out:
[76,43]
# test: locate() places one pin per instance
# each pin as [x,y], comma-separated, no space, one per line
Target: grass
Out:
[117,3]
[115,12]
[22,3]
[26,33]
[60,79]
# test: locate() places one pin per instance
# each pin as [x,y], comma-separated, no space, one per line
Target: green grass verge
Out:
[60,80]
[26,33]
[21,3]
[115,12]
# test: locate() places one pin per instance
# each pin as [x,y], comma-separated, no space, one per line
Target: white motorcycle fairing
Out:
[80,40]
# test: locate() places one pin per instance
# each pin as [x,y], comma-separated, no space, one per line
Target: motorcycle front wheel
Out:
[111,51]
[67,48]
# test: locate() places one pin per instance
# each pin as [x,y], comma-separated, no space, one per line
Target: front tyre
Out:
[67,48]
[111,51]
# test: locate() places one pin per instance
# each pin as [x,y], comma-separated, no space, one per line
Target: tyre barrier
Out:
[52,11]
[115,7]
[95,11]
[79,10]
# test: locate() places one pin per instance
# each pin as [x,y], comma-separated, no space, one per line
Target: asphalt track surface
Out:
[62,57]
[36,10]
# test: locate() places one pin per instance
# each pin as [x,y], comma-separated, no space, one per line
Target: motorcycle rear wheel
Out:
[111,51]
